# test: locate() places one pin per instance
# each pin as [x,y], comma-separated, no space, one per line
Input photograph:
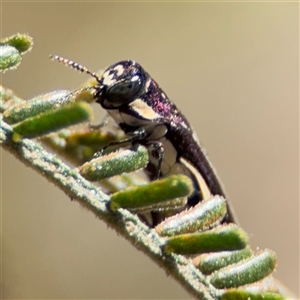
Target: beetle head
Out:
[120,84]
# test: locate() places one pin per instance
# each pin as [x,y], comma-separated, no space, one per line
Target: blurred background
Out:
[232,68]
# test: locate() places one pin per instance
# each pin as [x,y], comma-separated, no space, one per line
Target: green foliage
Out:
[12,49]
[123,161]
[152,193]
[222,238]
[210,262]
[22,42]
[200,217]
[247,271]
[36,106]
[53,120]
[244,295]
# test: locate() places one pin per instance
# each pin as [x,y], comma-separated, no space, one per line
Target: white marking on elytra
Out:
[163,95]
[144,110]
[147,84]
[119,69]
[184,125]
[201,182]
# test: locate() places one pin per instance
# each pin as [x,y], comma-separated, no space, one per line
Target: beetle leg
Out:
[157,150]
[137,134]
[103,123]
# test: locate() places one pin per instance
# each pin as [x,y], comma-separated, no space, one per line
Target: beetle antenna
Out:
[75,66]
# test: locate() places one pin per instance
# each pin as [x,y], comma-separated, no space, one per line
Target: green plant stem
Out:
[125,223]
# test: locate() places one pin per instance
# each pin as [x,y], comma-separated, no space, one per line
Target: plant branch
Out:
[91,197]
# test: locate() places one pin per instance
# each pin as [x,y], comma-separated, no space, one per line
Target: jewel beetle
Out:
[148,117]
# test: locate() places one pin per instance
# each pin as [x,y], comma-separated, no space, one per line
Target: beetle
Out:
[148,117]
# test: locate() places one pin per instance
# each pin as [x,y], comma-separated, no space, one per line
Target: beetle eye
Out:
[124,91]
